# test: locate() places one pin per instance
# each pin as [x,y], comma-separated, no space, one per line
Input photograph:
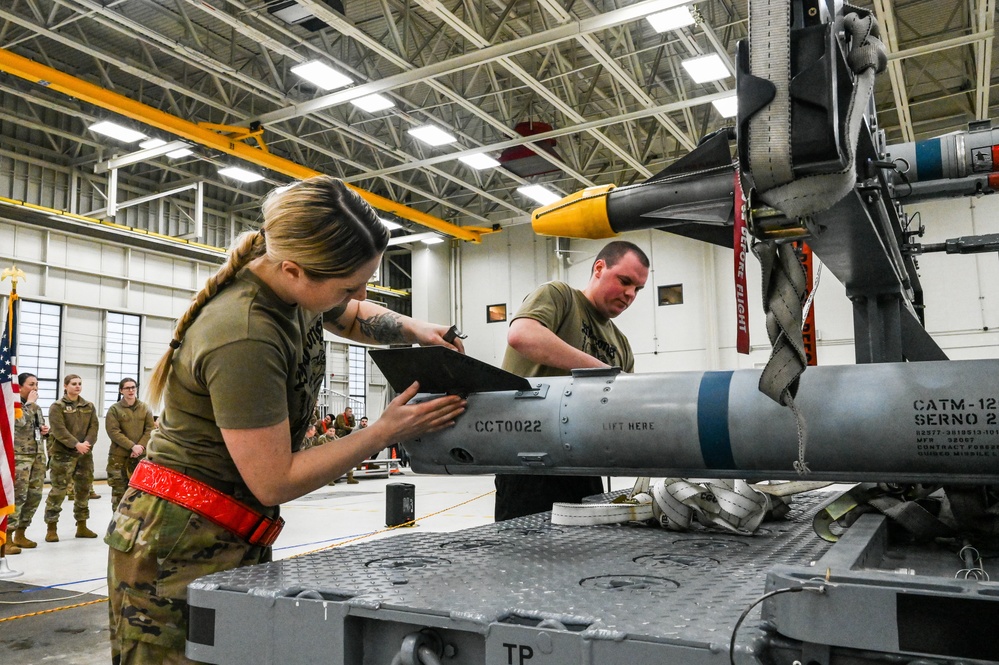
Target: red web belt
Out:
[205,500]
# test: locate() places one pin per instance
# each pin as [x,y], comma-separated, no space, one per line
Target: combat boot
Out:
[12,547]
[52,535]
[22,540]
[82,531]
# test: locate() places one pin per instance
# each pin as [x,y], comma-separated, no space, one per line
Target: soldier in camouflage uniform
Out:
[311,439]
[238,385]
[29,464]
[74,430]
[129,424]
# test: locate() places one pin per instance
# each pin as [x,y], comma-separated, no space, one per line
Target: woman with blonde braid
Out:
[239,385]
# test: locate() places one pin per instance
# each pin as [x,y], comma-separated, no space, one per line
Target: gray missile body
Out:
[893,422]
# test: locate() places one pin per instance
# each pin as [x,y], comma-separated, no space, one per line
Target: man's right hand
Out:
[83,447]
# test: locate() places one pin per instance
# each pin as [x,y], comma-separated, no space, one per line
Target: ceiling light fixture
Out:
[671,19]
[727,107]
[479,161]
[706,68]
[436,240]
[432,135]
[540,194]
[373,103]
[411,238]
[152,143]
[241,174]
[116,131]
[321,75]
[182,152]
[389,224]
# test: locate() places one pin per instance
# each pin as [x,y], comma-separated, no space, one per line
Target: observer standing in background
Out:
[29,464]
[239,386]
[73,422]
[129,424]
[558,329]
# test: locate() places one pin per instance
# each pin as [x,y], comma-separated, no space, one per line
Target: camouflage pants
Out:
[119,470]
[156,549]
[29,478]
[64,468]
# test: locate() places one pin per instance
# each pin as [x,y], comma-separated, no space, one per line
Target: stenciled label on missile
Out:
[956,427]
[630,426]
[506,426]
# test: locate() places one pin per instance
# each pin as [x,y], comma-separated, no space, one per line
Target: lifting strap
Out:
[770,163]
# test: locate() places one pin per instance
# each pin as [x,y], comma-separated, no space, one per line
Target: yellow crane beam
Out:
[74,87]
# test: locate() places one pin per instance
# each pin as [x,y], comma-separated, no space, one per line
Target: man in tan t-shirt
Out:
[558,329]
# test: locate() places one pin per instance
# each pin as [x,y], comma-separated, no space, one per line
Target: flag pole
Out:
[15,274]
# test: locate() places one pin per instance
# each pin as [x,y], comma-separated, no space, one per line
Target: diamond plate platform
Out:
[521,592]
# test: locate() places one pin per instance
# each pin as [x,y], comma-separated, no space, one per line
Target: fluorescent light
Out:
[539,194]
[237,173]
[373,103]
[389,224]
[706,68]
[479,161]
[152,143]
[411,238]
[322,75]
[182,152]
[727,107]
[671,19]
[432,241]
[432,135]
[116,131]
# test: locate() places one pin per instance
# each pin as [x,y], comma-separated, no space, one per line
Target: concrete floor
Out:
[73,570]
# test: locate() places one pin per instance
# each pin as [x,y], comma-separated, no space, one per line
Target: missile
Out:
[693,197]
[926,422]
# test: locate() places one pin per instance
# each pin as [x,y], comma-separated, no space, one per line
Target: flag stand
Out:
[6,572]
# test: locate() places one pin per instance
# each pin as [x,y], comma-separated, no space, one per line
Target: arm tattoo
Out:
[383,328]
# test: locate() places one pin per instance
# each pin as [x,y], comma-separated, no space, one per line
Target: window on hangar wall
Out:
[121,353]
[39,328]
[357,380]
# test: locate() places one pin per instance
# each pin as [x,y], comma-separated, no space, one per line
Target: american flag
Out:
[10,409]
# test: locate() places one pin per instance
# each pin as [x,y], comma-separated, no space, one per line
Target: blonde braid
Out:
[247,247]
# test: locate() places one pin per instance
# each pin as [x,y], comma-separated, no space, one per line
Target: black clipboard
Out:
[441,370]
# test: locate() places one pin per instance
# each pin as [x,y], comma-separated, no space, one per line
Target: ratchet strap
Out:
[215,506]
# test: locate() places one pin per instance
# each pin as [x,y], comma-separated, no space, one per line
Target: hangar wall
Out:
[961,293]
[88,278]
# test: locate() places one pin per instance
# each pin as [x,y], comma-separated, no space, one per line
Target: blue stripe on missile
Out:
[929,160]
[712,420]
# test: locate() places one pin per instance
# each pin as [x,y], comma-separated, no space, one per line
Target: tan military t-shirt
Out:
[249,360]
[567,313]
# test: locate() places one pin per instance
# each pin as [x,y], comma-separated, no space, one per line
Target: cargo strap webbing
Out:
[770,159]
[675,503]
[784,295]
[770,163]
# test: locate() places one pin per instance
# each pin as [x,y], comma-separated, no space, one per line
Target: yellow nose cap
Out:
[582,214]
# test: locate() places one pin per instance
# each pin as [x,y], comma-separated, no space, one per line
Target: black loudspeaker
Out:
[400,503]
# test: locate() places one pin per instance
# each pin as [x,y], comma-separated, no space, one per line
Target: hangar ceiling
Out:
[607,88]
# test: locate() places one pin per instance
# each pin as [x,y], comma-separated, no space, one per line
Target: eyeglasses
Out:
[129,387]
